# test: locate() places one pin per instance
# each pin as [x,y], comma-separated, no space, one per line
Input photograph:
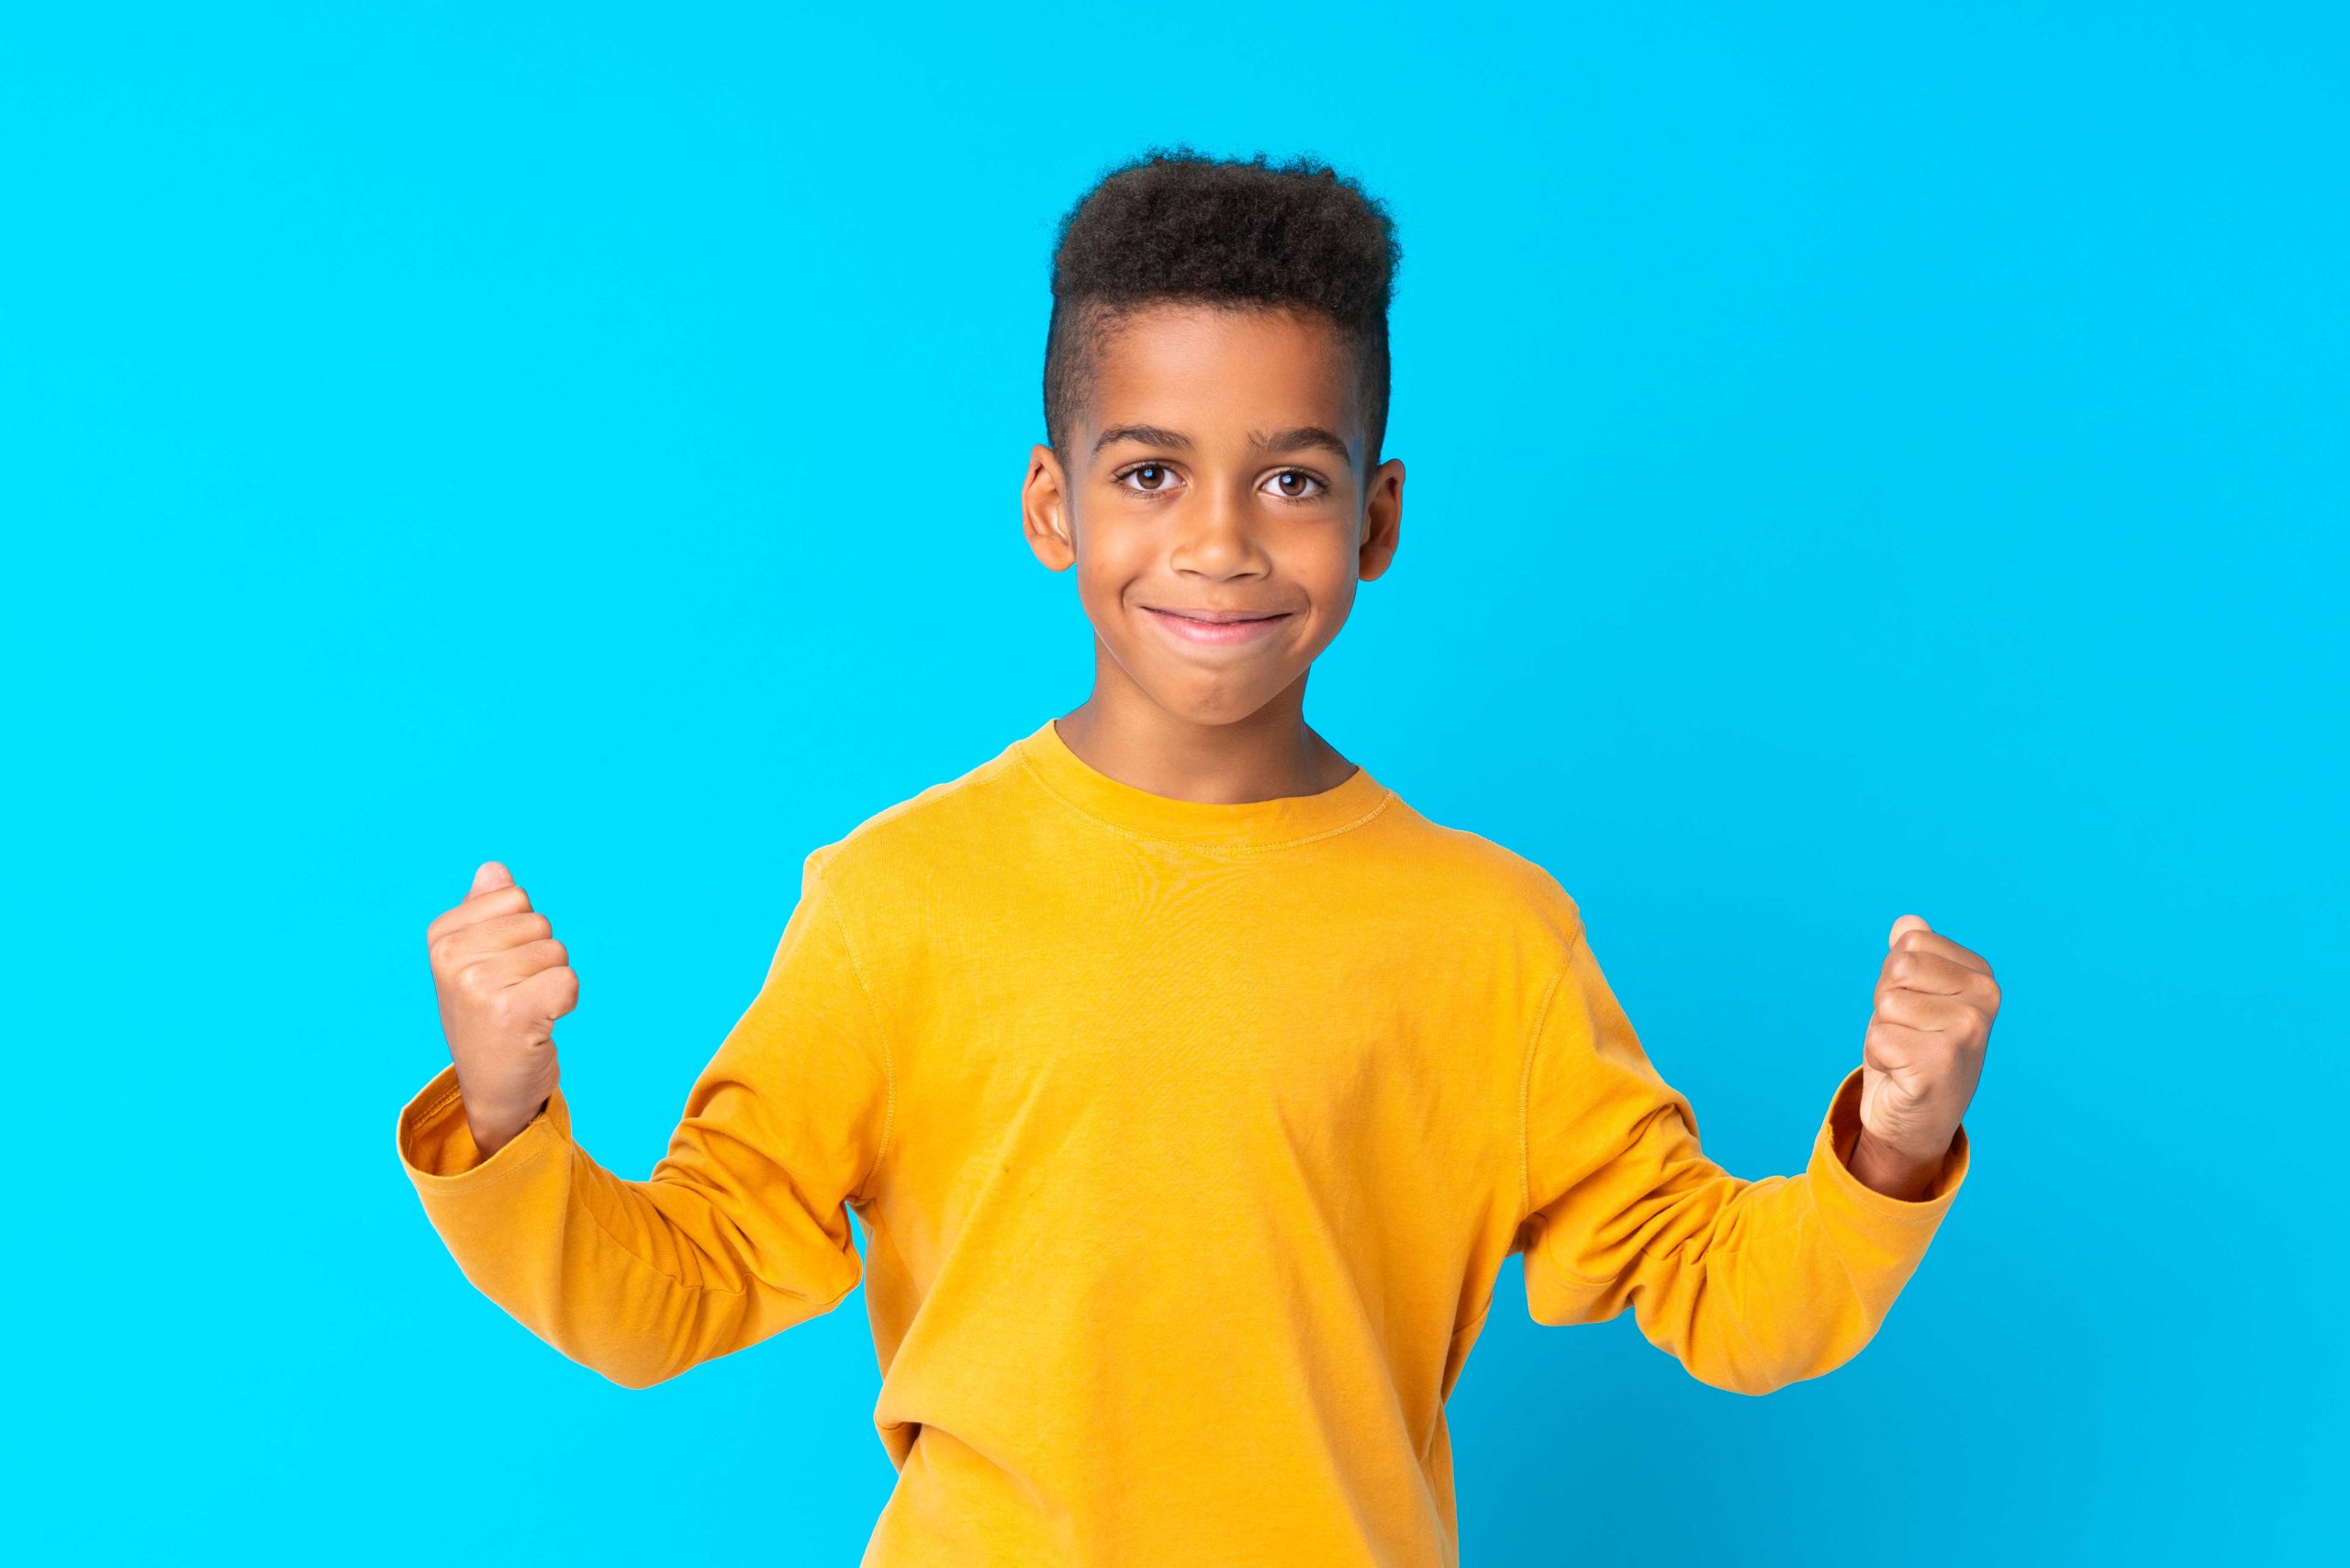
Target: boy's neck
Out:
[1269,754]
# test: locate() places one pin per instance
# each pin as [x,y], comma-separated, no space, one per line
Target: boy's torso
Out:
[1204,1159]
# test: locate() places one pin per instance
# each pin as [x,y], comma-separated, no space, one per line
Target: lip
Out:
[1214,634]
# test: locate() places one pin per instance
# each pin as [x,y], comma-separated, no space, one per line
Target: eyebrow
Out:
[1298,438]
[1149,435]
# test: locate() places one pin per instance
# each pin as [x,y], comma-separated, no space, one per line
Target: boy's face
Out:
[1215,467]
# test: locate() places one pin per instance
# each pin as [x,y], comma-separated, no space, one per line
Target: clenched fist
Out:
[1921,1057]
[503,980]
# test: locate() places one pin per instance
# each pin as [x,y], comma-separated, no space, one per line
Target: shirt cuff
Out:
[1902,1222]
[436,1144]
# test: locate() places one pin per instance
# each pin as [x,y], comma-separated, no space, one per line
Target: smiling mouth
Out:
[1216,627]
[1217,617]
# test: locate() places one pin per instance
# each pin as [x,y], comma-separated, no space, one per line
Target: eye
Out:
[1297,485]
[1150,478]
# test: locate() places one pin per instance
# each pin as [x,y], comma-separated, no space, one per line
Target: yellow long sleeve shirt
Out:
[1190,1141]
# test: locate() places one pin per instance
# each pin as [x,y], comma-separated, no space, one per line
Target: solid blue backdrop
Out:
[1862,460]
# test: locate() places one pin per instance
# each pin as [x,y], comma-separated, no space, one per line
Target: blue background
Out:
[1863,459]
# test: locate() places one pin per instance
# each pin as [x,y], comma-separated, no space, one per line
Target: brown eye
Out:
[1297,487]
[1146,479]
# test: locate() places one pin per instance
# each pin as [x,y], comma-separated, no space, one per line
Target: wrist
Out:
[493,1130]
[1905,1174]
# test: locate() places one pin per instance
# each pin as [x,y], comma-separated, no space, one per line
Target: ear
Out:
[1382,519]
[1045,510]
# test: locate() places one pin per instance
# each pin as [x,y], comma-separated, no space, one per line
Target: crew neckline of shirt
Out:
[1238,825]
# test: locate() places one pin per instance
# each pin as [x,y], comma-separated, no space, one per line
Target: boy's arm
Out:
[741,1231]
[1750,1284]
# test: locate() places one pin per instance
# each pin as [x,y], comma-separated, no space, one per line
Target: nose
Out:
[1218,535]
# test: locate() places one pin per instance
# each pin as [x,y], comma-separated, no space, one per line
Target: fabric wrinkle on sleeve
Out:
[741,1230]
[1750,1284]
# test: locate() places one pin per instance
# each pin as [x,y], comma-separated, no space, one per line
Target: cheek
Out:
[1107,561]
[1329,574]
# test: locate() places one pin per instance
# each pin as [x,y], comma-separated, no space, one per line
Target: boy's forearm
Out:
[640,1281]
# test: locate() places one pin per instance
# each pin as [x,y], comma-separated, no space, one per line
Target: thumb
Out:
[491,875]
[1907,922]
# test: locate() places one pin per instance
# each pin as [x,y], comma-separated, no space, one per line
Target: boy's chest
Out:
[1231,1017]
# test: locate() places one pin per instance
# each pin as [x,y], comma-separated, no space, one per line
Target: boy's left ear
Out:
[1044,511]
[1383,519]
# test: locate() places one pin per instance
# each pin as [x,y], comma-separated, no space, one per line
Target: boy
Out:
[1193,1088]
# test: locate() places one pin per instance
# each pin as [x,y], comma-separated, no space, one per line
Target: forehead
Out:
[1215,369]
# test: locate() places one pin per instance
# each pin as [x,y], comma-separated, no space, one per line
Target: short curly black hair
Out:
[1176,225]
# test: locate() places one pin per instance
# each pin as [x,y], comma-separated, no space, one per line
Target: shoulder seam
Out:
[928,796]
[881,1033]
[1525,1085]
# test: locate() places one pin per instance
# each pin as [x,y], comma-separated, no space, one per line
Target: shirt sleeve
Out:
[741,1231]
[1750,1285]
